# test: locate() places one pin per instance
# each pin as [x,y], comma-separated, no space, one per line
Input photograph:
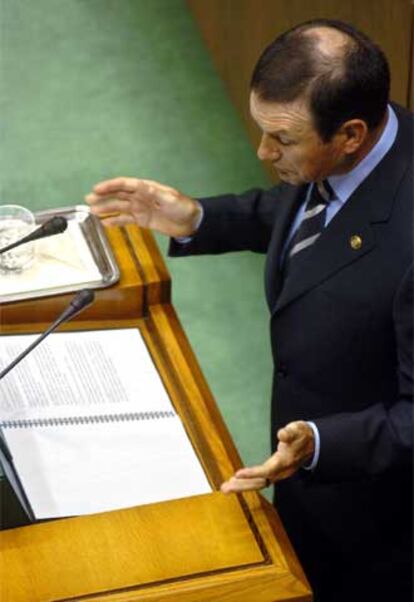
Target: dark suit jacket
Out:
[342,339]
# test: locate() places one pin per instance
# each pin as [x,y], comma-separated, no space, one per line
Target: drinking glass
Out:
[15,223]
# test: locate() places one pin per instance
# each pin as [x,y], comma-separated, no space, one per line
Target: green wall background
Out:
[93,89]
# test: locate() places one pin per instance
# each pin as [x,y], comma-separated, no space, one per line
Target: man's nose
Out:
[268,149]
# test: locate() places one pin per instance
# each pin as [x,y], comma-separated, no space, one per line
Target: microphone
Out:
[53,226]
[78,303]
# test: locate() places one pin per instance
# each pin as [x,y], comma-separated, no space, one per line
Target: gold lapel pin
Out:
[355,241]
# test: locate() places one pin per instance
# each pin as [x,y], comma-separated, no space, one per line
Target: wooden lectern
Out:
[205,548]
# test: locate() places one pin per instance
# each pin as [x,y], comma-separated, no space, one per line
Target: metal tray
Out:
[98,245]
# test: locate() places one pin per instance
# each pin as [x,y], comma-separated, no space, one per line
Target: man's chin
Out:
[289,177]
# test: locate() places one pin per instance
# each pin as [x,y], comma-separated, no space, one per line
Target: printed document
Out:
[90,426]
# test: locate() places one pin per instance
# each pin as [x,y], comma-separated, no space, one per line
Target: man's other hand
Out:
[146,203]
[295,448]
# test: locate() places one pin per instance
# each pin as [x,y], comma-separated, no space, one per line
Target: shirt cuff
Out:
[316,453]
[183,240]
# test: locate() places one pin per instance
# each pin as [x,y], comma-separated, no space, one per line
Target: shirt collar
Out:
[345,184]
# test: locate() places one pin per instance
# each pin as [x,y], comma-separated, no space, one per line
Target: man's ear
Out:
[353,133]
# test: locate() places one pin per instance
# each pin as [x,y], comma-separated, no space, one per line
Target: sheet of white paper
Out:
[61,260]
[138,454]
[80,374]
[96,468]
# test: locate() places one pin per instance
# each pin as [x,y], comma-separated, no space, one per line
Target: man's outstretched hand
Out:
[295,448]
[146,203]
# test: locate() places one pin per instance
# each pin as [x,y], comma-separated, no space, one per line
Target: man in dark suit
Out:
[338,233]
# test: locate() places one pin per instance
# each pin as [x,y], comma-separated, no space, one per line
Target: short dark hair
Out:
[351,84]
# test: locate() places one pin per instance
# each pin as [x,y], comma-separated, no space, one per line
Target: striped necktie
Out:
[312,224]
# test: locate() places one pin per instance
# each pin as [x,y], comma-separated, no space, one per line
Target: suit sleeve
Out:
[233,223]
[378,439]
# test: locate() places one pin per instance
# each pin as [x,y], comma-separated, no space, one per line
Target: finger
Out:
[118,220]
[111,206]
[300,447]
[270,469]
[285,435]
[235,485]
[116,184]
[292,432]
[277,467]
[91,198]
[261,471]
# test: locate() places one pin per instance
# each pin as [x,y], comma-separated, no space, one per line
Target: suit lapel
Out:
[345,240]
[337,246]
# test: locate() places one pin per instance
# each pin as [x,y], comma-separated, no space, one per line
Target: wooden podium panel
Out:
[204,548]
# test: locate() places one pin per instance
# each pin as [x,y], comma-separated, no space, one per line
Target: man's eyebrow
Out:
[282,132]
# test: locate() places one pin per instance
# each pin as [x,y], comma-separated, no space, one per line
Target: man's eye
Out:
[281,141]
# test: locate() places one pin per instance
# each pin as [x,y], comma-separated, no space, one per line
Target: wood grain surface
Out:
[203,548]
